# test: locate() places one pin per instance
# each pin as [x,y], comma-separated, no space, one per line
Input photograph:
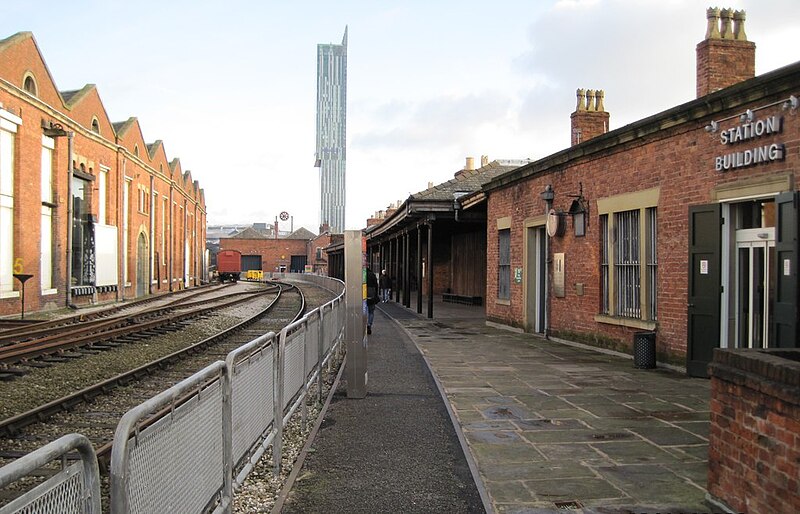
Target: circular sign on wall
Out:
[284,216]
[554,224]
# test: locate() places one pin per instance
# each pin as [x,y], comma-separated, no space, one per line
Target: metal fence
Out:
[74,489]
[177,451]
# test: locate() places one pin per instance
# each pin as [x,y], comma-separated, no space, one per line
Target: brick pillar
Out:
[590,118]
[725,57]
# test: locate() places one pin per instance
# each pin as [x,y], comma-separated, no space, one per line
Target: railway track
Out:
[95,410]
[20,330]
[74,342]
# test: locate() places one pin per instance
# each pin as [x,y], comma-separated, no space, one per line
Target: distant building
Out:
[331,131]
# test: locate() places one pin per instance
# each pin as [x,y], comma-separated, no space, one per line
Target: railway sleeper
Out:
[38,364]
[53,360]
[70,355]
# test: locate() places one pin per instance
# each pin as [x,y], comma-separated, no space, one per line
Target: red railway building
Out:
[683,224]
[87,208]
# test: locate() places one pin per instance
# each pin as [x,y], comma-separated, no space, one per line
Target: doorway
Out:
[142,266]
[755,287]
[535,268]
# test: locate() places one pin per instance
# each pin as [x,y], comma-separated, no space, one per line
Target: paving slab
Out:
[554,427]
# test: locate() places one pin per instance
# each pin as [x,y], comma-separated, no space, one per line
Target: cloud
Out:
[430,123]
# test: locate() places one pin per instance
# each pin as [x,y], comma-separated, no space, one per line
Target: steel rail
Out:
[14,424]
[43,327]
[28,350]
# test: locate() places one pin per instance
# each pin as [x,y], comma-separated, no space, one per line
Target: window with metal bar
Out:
[652,263]
[504,264]
[604,270]
[627,268]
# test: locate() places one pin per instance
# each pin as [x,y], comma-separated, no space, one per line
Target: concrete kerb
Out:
[298,463]
[473,467]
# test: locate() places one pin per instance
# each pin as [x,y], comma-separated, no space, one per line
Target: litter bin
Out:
[644,350]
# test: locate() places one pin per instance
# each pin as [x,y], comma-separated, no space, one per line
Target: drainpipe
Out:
[151,253]
[547,195]
[171,237]
[70,135]
[183,244]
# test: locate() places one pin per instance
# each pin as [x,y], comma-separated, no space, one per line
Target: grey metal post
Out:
[406,270]
[320,351]
[355,326]
[279,354]
[430,269]
[419,270]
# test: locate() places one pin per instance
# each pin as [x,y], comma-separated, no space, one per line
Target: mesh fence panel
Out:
[293,378]
[176,463]
[252,403]
[61,493]
[312,344]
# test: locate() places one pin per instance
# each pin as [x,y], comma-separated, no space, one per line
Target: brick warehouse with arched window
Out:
[87,208]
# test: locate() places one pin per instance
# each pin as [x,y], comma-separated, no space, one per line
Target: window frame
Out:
[503,296]
[615,307]
[9,124]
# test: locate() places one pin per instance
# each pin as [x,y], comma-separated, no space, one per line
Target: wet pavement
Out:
[552,427]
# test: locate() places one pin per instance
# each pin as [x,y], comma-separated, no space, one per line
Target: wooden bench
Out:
[462,299]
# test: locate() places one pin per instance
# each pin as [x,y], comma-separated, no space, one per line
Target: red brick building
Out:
[683,224]
[87,208]
[269,254]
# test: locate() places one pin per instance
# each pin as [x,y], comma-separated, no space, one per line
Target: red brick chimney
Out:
[590,118]
[725,57]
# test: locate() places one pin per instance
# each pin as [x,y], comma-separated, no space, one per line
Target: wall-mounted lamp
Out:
[746,116]
[791,104]
[712,127]
[548,195]
[579,210]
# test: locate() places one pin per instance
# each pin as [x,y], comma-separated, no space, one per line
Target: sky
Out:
[230,86]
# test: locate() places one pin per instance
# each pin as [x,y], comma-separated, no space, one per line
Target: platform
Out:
[548,427]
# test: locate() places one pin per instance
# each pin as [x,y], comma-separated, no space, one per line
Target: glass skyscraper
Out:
[331,131]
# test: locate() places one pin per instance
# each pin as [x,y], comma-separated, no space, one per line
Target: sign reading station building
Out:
[750,130]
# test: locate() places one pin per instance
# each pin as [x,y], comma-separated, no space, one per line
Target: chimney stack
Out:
[725,57]
[590,118]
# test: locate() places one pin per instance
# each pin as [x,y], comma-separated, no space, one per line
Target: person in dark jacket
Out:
[386,286]
[372,298]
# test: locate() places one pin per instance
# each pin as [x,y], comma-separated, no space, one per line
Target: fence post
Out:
[277,440]
[227,438]
[320,351]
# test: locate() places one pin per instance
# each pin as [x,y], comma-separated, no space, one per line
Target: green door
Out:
[786,251]
[703,309]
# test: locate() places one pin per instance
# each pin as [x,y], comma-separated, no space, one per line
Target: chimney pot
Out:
[712,31]
[726,31]
[470,164]
[581,100]
[738,26]
[484,160]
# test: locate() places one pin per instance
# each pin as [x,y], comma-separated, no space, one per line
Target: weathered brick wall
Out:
[754,441]
[722,63]
[680,161]
[274,252]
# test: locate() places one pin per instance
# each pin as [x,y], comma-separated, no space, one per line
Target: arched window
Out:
[29,84]
[95,125]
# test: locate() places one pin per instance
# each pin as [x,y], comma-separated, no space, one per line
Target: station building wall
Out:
[667,162]
[147,216]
